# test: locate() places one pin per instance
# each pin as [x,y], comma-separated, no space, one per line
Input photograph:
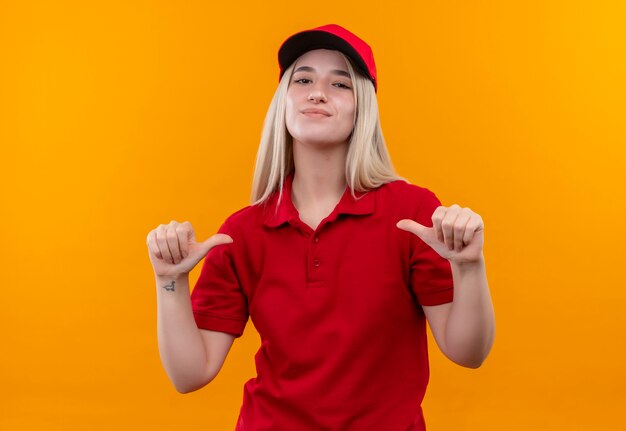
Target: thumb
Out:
[217,239]
[413,227]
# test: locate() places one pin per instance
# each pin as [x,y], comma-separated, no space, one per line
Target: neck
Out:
[319,177]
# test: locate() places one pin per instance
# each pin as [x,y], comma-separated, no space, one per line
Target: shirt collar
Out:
[287,212]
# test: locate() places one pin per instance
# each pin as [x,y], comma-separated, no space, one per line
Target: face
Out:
[320,99]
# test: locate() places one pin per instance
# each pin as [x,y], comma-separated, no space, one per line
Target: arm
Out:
[464,329]
[191,357]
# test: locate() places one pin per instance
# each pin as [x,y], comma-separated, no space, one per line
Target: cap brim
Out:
[308,40]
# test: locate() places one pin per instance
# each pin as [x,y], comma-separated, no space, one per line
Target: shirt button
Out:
[316,262]
[316,239]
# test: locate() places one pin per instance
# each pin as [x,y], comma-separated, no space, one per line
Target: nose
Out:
[316,94]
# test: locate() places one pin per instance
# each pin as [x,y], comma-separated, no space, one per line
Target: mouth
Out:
[315,113]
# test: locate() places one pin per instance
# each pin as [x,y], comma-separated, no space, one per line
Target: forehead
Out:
[320,58]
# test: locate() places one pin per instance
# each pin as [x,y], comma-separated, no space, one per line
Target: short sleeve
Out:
[431,275]
[217,300]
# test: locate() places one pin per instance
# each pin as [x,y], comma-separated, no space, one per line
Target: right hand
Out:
[174,251]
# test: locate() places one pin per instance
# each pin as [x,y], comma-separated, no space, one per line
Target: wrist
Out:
[167,278]
[468,265]
[172,283]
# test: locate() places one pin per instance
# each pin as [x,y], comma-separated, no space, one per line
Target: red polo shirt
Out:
[343,335]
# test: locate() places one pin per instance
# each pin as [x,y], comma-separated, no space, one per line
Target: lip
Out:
[314,112]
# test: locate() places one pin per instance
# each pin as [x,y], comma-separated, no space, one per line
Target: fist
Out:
[174,251]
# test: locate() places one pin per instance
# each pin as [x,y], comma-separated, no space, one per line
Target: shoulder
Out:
[238,225]
[402,192]
[247,219]
[242,218]
[400,199]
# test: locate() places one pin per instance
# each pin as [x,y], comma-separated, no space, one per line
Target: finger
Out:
[412,226]
[192,235]
[447,226]
[153,248]
[215,240]
[172,242]
[437,217]
[162,243]
[184,232]
[474,225]
[460,225]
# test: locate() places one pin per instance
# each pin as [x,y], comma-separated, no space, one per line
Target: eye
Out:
[342,85]
[302,80]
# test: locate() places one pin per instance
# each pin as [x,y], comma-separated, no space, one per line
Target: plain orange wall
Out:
[117,116]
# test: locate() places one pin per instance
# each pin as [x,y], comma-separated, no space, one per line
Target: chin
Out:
[322,139]
[321,142]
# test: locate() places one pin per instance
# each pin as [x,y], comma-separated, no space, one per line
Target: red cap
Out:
[329,36]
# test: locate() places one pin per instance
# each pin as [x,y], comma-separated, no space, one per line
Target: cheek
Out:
[289,113]
[349,112]
[353,114]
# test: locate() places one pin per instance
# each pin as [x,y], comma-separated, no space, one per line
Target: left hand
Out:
[456,235]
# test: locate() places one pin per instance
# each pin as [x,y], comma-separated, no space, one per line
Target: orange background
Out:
[117,116]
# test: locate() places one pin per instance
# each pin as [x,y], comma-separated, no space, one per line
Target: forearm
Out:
[470,328]
[181,348]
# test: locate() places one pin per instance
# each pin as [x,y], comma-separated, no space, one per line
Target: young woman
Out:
[338,262]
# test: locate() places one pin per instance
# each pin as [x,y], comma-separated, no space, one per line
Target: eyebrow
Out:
[310,69]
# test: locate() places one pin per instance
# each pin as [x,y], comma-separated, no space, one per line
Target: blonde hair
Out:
[368,164]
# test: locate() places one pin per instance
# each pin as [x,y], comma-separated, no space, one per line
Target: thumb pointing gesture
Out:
[207,245]
[456,235]
[174,250]
[426,234]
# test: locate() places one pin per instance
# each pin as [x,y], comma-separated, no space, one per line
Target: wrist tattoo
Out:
[170,287]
